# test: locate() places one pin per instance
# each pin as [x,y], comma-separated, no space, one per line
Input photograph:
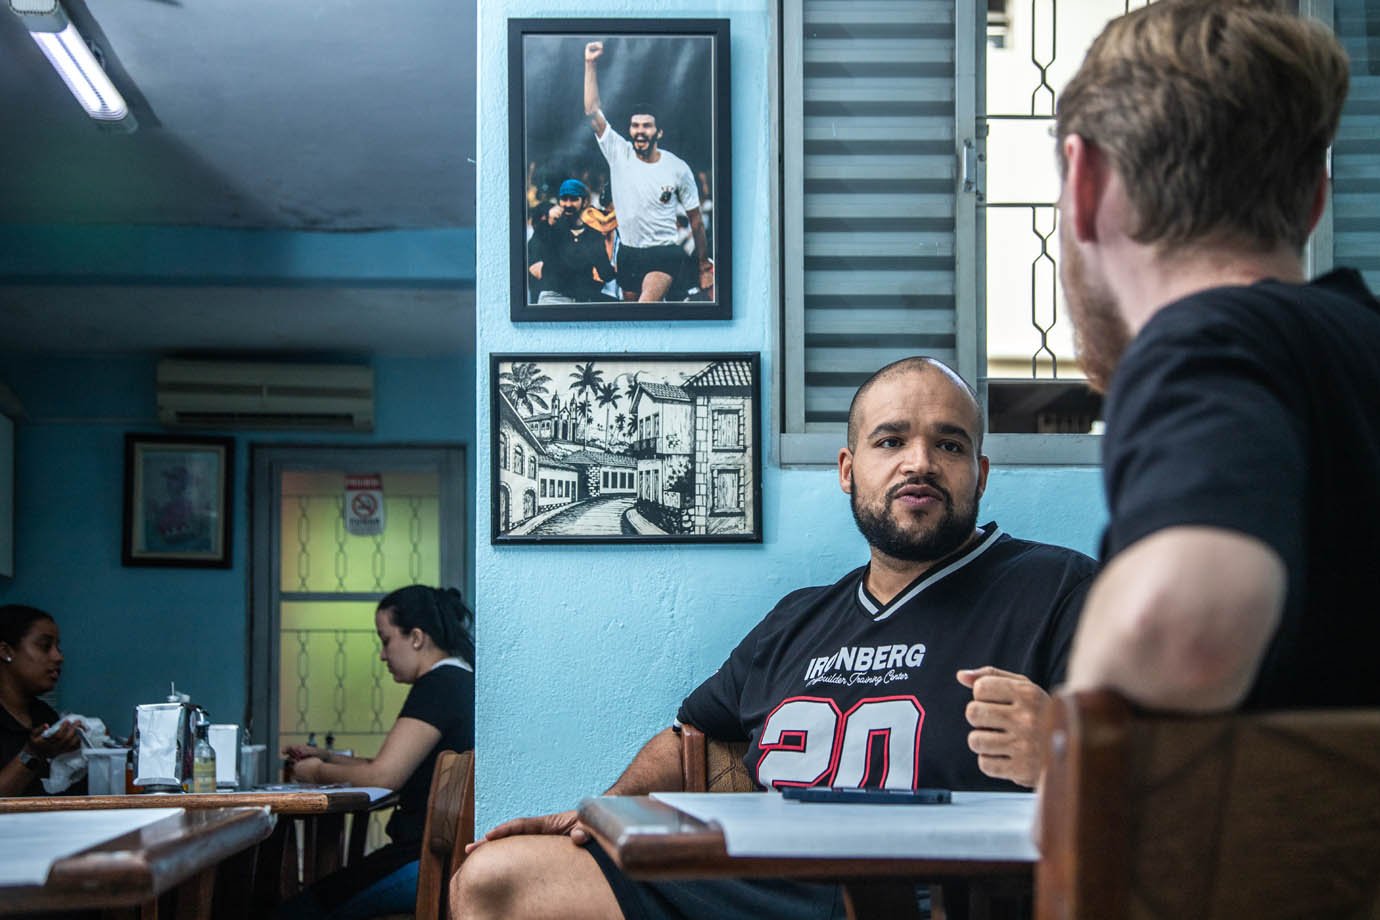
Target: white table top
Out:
[31,842]
[977,825]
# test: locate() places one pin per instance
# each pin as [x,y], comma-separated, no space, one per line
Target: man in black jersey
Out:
[1242,450]
[896,676]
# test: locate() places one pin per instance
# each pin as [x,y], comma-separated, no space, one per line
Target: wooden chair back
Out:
[1240,815]
[449,827]
[710,765]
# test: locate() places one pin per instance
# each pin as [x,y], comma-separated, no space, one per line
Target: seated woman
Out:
[30,664]
[427,641]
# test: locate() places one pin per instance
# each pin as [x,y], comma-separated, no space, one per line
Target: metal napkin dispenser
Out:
[164,738]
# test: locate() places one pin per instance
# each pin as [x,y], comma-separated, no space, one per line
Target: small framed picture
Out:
[626,448]
[177,510]
[619,171]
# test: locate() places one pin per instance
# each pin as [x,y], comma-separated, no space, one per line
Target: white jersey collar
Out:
[451,662]
[990,534]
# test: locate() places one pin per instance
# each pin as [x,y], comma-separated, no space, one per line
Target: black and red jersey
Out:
[834,688]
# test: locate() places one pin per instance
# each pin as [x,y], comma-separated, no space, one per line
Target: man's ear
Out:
[983,467]
[1085,178]
[846,470]
[1319,200]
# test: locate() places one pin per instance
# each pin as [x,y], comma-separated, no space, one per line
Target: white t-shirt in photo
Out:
[647,196]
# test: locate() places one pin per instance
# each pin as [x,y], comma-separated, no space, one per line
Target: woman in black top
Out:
[427,641]
[30,664]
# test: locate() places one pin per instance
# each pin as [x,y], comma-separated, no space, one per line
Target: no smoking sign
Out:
[364,505]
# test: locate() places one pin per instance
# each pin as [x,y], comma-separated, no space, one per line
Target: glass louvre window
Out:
[1356,152]
[918,191]
[870,155]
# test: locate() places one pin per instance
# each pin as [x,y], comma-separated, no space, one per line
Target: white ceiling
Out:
[339,116]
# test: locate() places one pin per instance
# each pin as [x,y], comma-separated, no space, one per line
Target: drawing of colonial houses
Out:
[559,483]
[604,475]
[562,423]
[663,450]
[523,489]
[721,396]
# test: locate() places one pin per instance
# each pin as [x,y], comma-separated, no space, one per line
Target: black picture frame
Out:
[177,510]
[547,146]
[675,456]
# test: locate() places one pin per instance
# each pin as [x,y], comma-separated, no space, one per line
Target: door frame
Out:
[266,463]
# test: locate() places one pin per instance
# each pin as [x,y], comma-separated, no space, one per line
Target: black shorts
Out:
[720,899]
[635,263]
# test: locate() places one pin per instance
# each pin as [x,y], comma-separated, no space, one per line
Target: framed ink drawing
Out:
[619,169]
[177,510]
[626,448]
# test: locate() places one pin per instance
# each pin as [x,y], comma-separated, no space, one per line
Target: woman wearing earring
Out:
[427,641]
[30,664]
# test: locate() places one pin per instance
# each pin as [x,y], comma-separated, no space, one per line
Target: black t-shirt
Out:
[833,688]
[443,697]
[1257,409]
[14,736]
[569,260]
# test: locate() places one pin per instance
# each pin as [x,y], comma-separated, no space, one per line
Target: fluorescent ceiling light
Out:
[74,62]
[67,51]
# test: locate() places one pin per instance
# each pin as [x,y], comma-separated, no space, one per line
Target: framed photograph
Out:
[619,170]
[177,509]
[626,448]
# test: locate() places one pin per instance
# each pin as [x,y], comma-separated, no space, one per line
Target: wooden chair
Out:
[1242,815]
[449,827]
[710,765]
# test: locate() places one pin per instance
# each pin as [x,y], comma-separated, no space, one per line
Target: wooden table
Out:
[125,874]
[268,874]
[651,839]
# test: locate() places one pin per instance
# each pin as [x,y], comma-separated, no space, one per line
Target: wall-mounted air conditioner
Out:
[221,394]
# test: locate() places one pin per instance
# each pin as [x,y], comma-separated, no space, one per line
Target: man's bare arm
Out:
[656,768]
[1181,619]
[706,266]
[593,107]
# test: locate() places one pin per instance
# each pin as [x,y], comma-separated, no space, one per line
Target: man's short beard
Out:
[884,535]
[1100,334]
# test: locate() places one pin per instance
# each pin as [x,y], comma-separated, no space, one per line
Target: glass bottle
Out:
[203,761]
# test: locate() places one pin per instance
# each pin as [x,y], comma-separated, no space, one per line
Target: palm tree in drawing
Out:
[525,386]
[607,395]
[588,379]
[586,416]
[619,424]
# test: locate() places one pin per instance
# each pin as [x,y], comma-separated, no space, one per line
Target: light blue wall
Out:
[584,652]
[128,631]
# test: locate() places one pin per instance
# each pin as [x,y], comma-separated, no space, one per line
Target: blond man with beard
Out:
[1242,452]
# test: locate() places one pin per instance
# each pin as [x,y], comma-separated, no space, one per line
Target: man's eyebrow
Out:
[898,427]
[950,428]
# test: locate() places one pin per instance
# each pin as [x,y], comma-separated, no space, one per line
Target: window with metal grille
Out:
[918,186]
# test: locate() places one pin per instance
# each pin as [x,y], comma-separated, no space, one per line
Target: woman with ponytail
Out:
[427,638]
